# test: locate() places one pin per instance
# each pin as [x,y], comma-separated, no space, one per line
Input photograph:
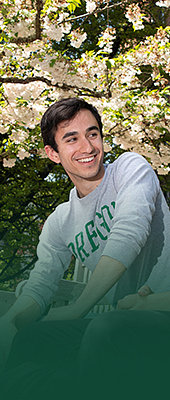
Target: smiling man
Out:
[80,151]
[117,223]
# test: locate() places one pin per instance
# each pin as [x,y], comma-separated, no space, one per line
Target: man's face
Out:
[80,148]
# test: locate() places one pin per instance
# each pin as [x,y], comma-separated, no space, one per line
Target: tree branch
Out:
[83,91]
[96,11]
[39,7]
[20,272]
[100,10]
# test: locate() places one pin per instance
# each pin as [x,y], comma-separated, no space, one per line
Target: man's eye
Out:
[71,140]
[93,134]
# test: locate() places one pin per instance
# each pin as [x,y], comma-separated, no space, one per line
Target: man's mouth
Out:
[87,159]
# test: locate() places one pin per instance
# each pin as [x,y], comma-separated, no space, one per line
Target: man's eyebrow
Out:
[73,133]
[92,128]
[68,134]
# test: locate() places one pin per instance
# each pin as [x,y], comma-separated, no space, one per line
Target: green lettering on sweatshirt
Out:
[113,204]
[71,245]
[92,235]
[103,225]
[108,212]
[80,246]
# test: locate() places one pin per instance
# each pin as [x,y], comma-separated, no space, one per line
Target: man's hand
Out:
[128,302]
[7,333]
[150,301]
[72,312]
[134,300]
[145,290]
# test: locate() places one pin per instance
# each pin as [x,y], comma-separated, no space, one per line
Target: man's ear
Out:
[52,154]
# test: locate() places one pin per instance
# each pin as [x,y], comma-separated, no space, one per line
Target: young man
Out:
[116,222]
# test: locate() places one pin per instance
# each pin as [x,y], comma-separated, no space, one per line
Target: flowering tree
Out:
[115,54]
[130,89]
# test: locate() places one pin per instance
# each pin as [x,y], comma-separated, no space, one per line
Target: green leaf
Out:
[41,145]
[52,62]
[109,64]
[72,5]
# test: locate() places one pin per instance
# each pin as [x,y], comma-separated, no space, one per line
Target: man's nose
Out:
[86,146]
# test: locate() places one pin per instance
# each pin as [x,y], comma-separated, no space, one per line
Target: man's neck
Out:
[85,187]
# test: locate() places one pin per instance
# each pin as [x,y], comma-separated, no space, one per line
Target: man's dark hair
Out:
[63,110]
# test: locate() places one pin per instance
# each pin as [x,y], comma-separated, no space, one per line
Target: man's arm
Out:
[24,311]
[107,272]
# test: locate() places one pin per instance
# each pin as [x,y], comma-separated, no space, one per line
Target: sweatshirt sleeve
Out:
[137,187]
[53,259]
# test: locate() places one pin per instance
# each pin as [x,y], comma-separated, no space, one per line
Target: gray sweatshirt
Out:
[126,218]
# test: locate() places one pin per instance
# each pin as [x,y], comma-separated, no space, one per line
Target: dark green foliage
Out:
[30,191]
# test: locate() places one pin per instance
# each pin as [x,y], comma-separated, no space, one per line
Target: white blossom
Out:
[9,162]
[51,9]
[22,29]
[163,3]
[106,39]
[90,6]
[18,136]
[52,31]
[133,14]
[107,147]
[138,25]
[66,26]
[77,38]
[17,3]
[22,153]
